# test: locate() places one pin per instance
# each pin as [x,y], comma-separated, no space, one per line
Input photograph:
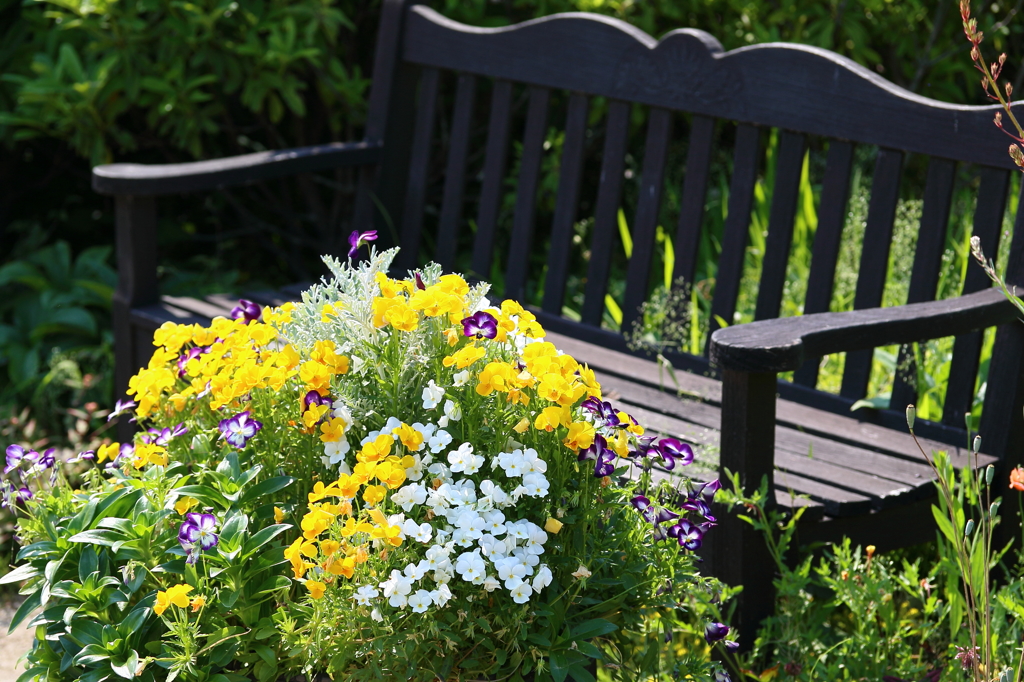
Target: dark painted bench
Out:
[859,473]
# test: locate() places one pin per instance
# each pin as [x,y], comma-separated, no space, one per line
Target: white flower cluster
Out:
[469,533]
[335,452]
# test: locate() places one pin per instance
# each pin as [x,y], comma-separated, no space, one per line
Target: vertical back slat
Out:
[788,167]
[566,203]
[609,193]
[419,162]
[652,182]
[988,223]
[737,225]
[695,189]
[455,172]
[1002,425]
[924,277]
[526,192]
[874,261]
[494,176]
[835,193]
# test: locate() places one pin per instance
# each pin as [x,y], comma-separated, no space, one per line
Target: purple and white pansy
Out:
[238,429]
[198,532]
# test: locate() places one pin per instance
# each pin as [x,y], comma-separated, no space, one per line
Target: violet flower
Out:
[722,676]
[313,398]
[85,456]
[47,459]
[15,453]
[689,534]
[715,632]
[672,451]
[246,310]
[238,429]
[197,533]
[655,514]
[120,407]
[190,354]
[23,494]
[165,435]
[419,281]
[481,325]
[357,239]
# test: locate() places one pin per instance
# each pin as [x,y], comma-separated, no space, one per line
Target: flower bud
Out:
[911,416]
[970,528]
[553,525]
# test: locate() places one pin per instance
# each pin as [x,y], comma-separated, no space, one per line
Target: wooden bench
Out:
[860,473]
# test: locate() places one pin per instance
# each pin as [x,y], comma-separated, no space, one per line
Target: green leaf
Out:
[944,525]
[88,563]
[539,640]
[559,665]
[613,309]
[593,628]
[23,572]
[33,602]
[204,493]
[262,537]
[33,673]
[627,239]
[271,485]
[99,536]
[91,654]
[580,674]
[266,653]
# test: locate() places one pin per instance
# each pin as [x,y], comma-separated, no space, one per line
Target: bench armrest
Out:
[781,345]
[135,179]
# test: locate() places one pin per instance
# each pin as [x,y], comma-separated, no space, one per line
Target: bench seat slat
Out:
[835,194]
[874,261]
[526,194]
[494,176]
[792,147]
[691,206]
[609,192]
[455,172]
[419,164]
[566,203]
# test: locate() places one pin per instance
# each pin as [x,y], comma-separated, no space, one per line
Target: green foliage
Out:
[54,320]
[110,78]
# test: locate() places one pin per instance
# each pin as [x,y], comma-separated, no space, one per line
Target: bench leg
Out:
[739,554]
[135,220]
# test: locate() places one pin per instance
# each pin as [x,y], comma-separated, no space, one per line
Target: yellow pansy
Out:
[464,357]
[177,595]
[316,588]
[581,436]
[185,503]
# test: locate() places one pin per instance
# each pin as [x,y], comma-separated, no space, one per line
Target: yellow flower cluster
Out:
[177,596]
[401,302]
[233,359]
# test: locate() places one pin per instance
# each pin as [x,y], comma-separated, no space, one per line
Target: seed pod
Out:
[990,474]
[976,448]
[970,528]
[911,415]
[994,507]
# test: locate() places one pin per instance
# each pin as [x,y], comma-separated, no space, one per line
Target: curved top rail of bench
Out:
[785,85]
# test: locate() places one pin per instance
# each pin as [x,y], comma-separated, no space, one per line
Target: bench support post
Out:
[135,221]
[739,553]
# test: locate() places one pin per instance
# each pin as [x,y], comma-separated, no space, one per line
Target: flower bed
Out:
[392,478]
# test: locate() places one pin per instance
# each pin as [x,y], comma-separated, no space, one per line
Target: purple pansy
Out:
[15,453]
[604,459]
[673,451]
[23,494]
[197,533]
[357,239]
[190,354]
[87,455]
[722,676]
[419,281]
[481,325]
[655,514]
[699,500]
[690,535]
[164,436]
[313,398]
[47,458]
[246,310]
[239,429]
[715,632]
[120,407]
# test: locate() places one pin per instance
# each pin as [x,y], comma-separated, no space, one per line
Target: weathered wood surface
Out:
[784,85]
[781,345]
[174,178]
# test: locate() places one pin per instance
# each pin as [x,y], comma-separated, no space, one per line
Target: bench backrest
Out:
[683,80]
